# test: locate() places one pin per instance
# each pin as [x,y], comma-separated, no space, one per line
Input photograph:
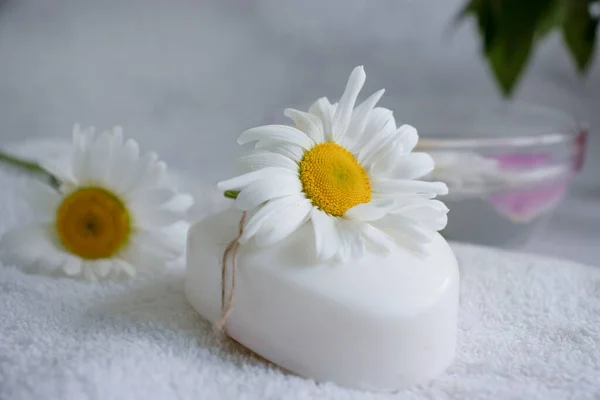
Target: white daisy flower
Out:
[114,212]
[349,171]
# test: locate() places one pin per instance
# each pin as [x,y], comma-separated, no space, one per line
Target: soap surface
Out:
[383,322]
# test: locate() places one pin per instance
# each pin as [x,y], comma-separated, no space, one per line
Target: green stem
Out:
[29,166]
[231,194]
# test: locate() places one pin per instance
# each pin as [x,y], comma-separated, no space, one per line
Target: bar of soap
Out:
[384,322]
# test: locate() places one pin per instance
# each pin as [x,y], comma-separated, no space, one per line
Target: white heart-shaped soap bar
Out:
[383,322]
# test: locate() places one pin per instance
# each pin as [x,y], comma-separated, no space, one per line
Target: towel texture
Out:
[529,328]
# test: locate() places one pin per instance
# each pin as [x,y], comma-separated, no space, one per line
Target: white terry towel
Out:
[529,329]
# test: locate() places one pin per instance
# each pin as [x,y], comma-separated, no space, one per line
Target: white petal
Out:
[281,226]
[431,213]
[377,147]
[434,222]
[78,154]
[438,223]
[401,199]
[72,266]
[327,240]
[60,169]
[115,146]
[243,180]
[155,175]
[357,243]
[258,192]
[291,151]
[43,199]
[343,113]
[380,124]
[116,136]
[156,218]
[411,229]
[417,231]
[102,267]
[266,213]
[88,271]
[144,256]
[412,166]
[352,245]
[76,134]
[125,161]
[176,234]
[151,198]
[324,110]
[383,166]
[264,159]
[147,173]
[32,245]
[100,158]
[361,115]
[378,239]
[405,186]
[121,265]
[380,119]
[415,207]
[180,202]
[403,239]
[408,137]
[308,123]
[279,133]
[24,235]
[82,141]
[371,211]
[156,244]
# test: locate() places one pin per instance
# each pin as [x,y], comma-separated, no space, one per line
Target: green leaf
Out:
[508,59]
[551,19]
[483,13]
[579,32]
[231,194]
[470,7]
[510,51]
[508,30]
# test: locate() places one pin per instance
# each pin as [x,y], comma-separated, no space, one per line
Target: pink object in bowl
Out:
[527,203]
[507,164]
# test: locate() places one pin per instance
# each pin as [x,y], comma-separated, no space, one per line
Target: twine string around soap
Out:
[227,301]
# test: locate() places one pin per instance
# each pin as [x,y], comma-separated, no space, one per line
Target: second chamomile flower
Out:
[114,213]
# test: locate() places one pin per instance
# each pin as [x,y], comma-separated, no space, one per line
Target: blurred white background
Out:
[185,77]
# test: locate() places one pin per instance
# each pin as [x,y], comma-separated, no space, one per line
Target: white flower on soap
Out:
[349,171]
[114,212]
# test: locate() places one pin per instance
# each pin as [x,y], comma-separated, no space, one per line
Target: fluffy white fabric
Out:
[529,328]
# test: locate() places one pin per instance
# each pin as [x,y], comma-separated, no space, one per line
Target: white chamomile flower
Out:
[114,212]
[349,171]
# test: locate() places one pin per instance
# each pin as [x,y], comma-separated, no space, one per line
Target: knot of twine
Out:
[227,304]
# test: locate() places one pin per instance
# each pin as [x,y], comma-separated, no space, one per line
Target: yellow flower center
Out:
[92,223]
[333,179]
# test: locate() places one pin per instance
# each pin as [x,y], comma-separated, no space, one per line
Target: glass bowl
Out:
[507,165]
